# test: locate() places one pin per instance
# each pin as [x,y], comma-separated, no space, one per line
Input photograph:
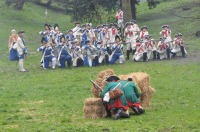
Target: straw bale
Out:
[97,109]
[101,81]
[93,108]
[93,101]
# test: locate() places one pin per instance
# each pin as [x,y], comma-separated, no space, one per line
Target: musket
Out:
[96,85]
[42,59]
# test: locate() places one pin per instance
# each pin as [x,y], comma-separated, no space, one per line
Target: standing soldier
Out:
[105,35]
[112,33]
[12,45]
[21,49]
[178,45]
[120,20]
[131,37]
[143,32]
[135,27]
[76,29]
[166,32]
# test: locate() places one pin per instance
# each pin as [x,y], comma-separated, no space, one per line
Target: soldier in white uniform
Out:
[141,51]
[161,49]
[21,50]
[77,57]
[90,54]
[120,19]
[131,37]
[143,32]
[178,45]
[76,30]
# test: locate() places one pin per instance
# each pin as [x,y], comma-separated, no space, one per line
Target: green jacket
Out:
[132,91]
[110,86]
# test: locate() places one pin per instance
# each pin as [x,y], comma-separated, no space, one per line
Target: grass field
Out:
[52,100]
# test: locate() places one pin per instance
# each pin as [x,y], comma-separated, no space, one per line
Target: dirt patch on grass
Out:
[191,57]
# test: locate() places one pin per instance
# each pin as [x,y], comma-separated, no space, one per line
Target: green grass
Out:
[52,100]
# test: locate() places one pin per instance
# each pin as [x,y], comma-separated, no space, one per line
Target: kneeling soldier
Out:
[118,104]
[132,93]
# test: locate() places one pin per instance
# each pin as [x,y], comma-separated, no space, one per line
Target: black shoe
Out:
[125,115]
[136,110]
[142,111]
[118,115]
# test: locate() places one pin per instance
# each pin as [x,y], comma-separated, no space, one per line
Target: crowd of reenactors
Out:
[85,45]
[104,44]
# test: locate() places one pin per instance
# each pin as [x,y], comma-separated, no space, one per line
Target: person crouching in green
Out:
[132,93]
[118,104]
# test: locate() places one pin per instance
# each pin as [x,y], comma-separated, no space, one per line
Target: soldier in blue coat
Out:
[90,54]
[64,54]
[117,51]
[47,56]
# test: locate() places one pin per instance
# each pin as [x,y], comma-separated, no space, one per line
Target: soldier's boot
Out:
[141,110]
[21,66]
[154,55]
[96,60]
[173,55]
[127,54]
[125,115]
[69,63]
[107,59]
[136,110]
[158,55]
[183,51]
[133,52]
[118,115]
[145,56]
[168,53]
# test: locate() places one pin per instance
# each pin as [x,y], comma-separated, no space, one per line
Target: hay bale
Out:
[101,81]
[93,108]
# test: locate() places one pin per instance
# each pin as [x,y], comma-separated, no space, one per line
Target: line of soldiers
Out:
[84,45]
[128,99]
[81,45]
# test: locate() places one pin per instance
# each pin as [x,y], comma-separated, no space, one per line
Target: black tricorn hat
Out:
[113,24]
[21,32]
[112,78]
[128,23]
[77,23]
[117,37]
[70,30]
[143,27]
[179,34]
[132,20]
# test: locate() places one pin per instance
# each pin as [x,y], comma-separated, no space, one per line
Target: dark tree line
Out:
[84,10]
